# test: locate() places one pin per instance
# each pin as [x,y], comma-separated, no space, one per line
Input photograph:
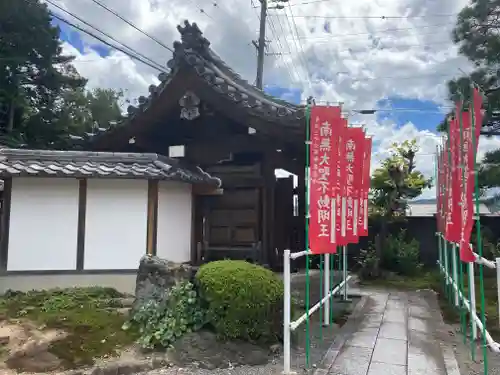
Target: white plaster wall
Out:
[174,221]
[43,224]
[116,222]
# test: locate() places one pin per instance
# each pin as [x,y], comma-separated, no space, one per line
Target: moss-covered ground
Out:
[87,315]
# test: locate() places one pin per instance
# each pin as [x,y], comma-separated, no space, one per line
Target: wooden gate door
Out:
[232,222]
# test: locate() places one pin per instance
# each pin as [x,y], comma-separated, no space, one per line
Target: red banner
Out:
[456,177]
[339,238]
[472,119]
[322,179]
[363,200]
[339,181]
[467,189]
[354,154]
[442,184]
[439,180]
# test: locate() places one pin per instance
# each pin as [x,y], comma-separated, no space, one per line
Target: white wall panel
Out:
[116,221]
[43,224]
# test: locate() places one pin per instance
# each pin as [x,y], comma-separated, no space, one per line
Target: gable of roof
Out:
[194,53]
[83,164]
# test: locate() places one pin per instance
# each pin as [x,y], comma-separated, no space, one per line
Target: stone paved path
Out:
[393,333]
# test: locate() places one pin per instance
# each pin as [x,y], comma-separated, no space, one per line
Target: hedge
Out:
[244,301]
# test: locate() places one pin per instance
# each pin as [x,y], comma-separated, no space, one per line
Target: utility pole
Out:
[261,45]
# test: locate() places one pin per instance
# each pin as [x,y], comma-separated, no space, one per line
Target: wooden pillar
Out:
[82,217]
[196,228]
[5,224]
[268,167]
[152,218]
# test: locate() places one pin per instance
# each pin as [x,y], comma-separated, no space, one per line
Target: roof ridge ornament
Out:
[192,37]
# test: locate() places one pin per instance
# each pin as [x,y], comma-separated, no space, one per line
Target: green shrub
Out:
[167,316]
[402,256]
[243,300]
[368,263]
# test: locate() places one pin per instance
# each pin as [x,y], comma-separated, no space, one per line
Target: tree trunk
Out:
[10,119]
[380,240]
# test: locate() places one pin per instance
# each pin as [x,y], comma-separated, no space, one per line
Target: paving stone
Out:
[379,368]
[390,351]
[395,316]
[372,320]
[377,308]
[420,325]
[396,331]
[420,312]
[400,296]
[424,362]
[396,304]
[396,337]
[364,339]
[352,361]
[330,357]
[421,343]
[427,372]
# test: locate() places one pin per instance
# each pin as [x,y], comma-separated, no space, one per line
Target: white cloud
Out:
[363,58]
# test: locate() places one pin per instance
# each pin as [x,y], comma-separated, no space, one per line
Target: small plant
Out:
[402,256]
[368,262]
[167,316]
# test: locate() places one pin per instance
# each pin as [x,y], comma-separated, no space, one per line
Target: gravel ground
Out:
[463,355]
[320,340]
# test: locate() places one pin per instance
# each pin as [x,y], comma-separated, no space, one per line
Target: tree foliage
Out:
[477,35]
[42,96]
[396,181]
[489,170]
[393,184]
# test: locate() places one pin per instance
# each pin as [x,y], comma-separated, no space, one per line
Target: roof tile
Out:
[15,162]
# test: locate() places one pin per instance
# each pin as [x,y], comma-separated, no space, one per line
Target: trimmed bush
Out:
[244,301]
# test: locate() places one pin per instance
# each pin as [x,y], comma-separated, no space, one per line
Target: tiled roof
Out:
[16,162]
[430,209]
[194,52]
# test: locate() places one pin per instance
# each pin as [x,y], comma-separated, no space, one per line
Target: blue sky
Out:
[73,37]
[424,114]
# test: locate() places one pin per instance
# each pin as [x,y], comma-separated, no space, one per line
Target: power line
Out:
[374,33]
[103,33]
[379,45]
[372,17]
[309,76]
[132,25]
[417,76]
[280,45]
[131,55]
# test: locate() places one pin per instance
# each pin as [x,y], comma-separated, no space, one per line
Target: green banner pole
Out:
[478,231]
[463,318]
[332,279]
[307,187]
[321,294]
